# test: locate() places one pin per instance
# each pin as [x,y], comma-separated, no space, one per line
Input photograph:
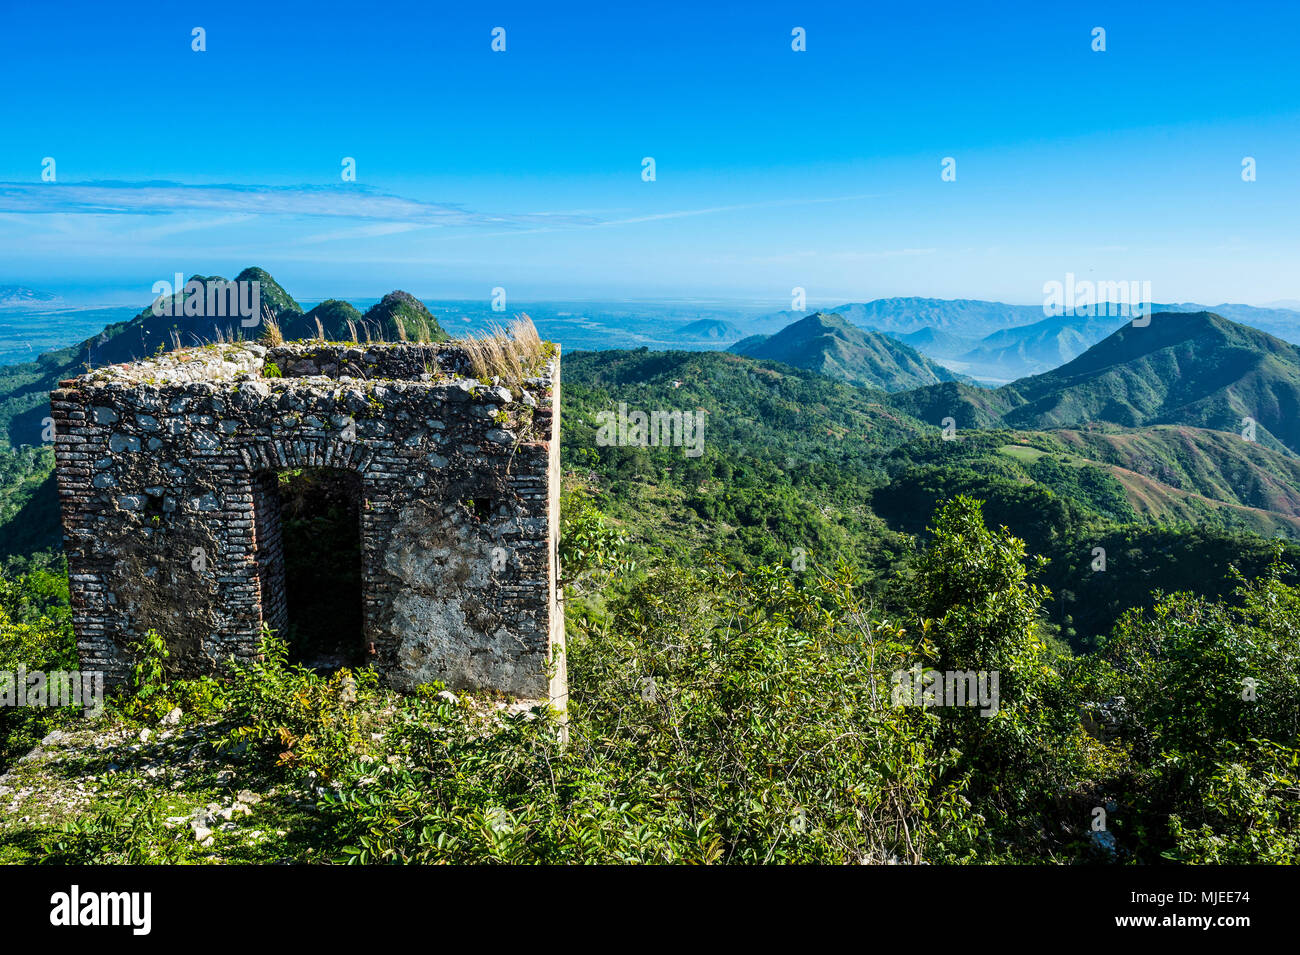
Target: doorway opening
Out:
[320,542]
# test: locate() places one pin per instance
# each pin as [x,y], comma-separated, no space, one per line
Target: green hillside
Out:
[968,405]
[794,461]
[829,345]
[400,316]
[1195,369]
[272,292]
[332,315]
[788,456]
[1214,464]
[397,316]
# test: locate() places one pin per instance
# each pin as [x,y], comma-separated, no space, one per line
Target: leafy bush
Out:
[718,717]
[35,634]
[304,720]
[1249,812]
[590,550]
[1207,696]
[151,695]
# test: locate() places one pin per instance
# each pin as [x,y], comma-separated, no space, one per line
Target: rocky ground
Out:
[206,803]
[113,790]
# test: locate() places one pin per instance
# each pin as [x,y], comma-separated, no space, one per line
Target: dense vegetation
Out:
[35,634]
[795,465]
[726,716]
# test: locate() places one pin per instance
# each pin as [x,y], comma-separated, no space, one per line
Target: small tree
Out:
[974,609]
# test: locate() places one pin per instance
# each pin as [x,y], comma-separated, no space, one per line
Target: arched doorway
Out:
[309,552]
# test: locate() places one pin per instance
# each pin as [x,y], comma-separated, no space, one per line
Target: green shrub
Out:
[1206,694]
[299,719]
[718,717]
[129,829]
[1249,812]
[35,634]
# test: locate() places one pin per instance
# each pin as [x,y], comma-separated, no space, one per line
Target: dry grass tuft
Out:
[271,334]
[507,353]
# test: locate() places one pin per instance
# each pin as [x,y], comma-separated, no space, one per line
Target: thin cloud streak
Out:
[387,214]
[162,198]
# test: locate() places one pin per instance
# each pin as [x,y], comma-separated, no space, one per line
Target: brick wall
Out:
[166,476]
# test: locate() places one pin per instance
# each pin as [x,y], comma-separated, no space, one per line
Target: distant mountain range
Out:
[827,344]
[1012,353]
[710,330]
[1198,369]
[18,296]
[965,318]
[997,343]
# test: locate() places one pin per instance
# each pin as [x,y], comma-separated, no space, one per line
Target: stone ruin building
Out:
[170,477]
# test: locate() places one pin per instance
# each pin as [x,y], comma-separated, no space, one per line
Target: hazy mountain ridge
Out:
[998,343]
[827,344]
[1195,369]
[1032,349]
[711,330]
[19,296]
[934,343]
[967,318]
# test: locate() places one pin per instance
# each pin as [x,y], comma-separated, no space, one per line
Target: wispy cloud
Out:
[711,210]
[344,201]
[347,201]
[590,221]
[804,256]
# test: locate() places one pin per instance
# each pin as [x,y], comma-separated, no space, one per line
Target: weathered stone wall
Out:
[166,475]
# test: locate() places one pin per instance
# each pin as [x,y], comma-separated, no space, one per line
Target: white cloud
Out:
[346,200]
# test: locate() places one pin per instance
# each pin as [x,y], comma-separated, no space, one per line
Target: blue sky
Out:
[774,169]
